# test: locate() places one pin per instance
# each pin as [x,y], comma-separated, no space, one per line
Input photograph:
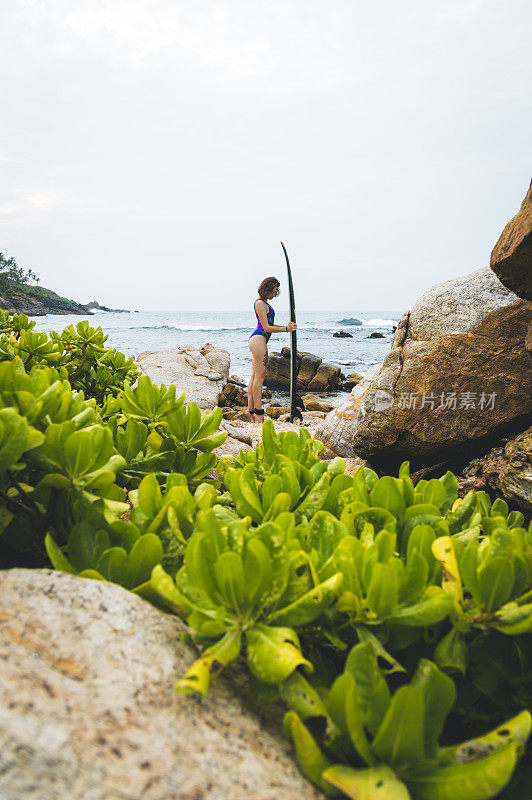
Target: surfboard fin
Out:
[298,407]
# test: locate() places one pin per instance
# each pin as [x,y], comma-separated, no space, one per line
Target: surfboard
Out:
[296,403]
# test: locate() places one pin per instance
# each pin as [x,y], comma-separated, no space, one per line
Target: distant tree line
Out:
[11,273]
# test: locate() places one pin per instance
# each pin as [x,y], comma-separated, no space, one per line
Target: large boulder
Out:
[312,373]
[199,372]
[511,258]
[458,371]
[88,708]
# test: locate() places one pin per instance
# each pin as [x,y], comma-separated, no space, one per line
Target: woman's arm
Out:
[262,311]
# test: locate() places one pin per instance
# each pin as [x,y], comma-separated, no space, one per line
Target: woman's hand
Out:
[292,326]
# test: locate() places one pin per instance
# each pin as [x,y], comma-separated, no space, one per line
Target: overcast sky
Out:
[154,152]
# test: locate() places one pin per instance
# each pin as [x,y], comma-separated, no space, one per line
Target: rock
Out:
[511,259]
[88,708]
[353,464]
[349,321]
[338,429]
[200,373]
[376,335]
[231,413]
[307,368]
[313,403]
[528,338]
[313,374]
[95,306]
[239,435]
[277,371]
[275,412]
[326,378]
[233,395]
[266,394]
[37,301]
[463,339]
[327,454]
[241,416]
[342,335]
[507,470]
[351,381]
[313,416]
[236,380]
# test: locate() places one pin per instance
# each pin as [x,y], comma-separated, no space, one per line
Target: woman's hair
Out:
[267,286]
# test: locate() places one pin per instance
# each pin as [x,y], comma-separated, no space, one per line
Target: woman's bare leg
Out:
[259,352]
[259,380]
[250,395]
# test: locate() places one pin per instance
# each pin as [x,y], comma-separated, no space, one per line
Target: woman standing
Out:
[258,344]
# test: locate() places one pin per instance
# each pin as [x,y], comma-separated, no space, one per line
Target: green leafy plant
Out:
[383,745]
[354,599]
[66,458]
[233,587]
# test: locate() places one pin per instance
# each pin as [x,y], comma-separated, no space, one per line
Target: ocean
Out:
[135,332]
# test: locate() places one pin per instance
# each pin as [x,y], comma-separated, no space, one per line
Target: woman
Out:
[258,344]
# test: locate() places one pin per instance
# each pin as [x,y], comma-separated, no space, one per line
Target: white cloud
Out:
[298,44]
[37,202]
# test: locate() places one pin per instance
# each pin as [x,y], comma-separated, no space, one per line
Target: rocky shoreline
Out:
[454,392]
[37,301]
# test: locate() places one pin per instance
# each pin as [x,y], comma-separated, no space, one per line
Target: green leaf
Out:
[250,493]
[161,591]
[513,619]
[229,572]
[415,578]
[274,653]
[56,556]
[382,591]
[372,691]
[301,697]
[450,484]
[400,739]
[81,546]
[311,760]
[451,653]
[338,484]
[388,494]
[365,635]
[458,518]
[313,603]
[495,582]
[213,660]
[438,695]
[112,564]
[375,783]
[514,731]
[476,780]
[315,498]
[428,611]
[145,554]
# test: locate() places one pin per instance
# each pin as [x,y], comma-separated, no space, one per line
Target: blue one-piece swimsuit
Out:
[270,316]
